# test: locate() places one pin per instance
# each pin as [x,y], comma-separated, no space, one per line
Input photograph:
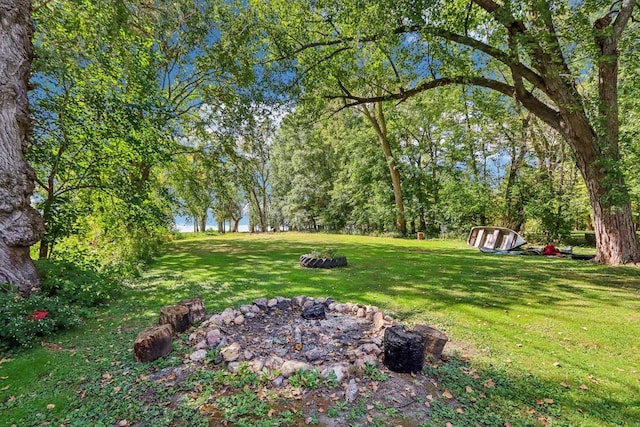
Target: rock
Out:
[261,303]
[315,312]
[202,345]
[238,320]
[351,392]
[328,301]
[244,309]
[272,303]
[320,300]
[233,367]
[250,315]
[298,301]
[314,354]
[332,306]
[378,320]
[231,353]
[361,312]
[175,315]
[290,366]
[278,381]
[153,343]
[434,340]
[214,337]
[370,349]
[274,363]
[340,308]
[216,319]
[309,302]
[283,303]
[248,355]
[197,312]
[256,365]
[228,315]
[198,355]
[339,371]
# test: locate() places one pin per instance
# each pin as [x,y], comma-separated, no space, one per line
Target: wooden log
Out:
[175,315]
[153,343]
[403,350]
[197,312]
[434,340]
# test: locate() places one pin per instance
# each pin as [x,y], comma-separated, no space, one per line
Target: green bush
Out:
[75,284]
[23,320]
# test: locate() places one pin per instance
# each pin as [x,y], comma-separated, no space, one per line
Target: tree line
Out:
[361,116]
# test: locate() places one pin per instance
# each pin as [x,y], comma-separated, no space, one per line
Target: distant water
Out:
[185,224]
[188,228]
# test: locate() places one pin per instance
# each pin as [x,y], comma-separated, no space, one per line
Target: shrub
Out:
[75,284]
[22,320]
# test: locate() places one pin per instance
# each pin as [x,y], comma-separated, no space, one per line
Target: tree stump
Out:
[434,340]
[175,315]
[403,350]
[197,312]
[153,343]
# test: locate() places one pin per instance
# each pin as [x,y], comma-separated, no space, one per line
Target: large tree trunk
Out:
[376,118]
[20,225]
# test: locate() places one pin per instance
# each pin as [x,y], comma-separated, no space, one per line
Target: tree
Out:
[20,225]
[533,51]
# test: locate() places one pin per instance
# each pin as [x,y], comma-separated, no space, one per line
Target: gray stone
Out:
[278,381]
[214,337]
[378,320]
[339,371]
[202,345]
[244,309]
[290,366]
[314,354]
[361,312]
[299,301]
[231,353]
[238,320]
[261,303]
[274,363]
[309,302]
[272,303]
[216,319]
[198,355]
[351,392]
[283,303]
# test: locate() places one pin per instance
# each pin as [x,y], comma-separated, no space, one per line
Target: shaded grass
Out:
[565,329]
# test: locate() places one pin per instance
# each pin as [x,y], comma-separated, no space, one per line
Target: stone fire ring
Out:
[309,262]
[272,335]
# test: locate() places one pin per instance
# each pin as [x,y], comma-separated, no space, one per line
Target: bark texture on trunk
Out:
[377,120]
[20,225]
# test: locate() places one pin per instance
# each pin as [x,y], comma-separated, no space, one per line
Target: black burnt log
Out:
[315,312]
[403,350]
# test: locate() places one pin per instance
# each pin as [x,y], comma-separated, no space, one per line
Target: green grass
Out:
[540,328]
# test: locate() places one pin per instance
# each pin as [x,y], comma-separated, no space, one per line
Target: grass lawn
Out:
[540,328]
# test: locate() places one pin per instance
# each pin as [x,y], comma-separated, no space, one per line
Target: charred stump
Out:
[153,343]
[197,312]
[434,340]
[177,316]
[403,350]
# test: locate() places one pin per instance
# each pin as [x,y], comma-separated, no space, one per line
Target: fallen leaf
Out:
[370,407]
[548,401]
[460,411]
[489,383]
[427,404]
[117,389]
[447,394]
[123,423]
[5,361]
[50,406]
[593,379]
[531,411]
[469,389]
[429,396]
[449,425]
[369,418]
[583,387]
[5,388]
[557,364]
[565,385]
[543,420]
